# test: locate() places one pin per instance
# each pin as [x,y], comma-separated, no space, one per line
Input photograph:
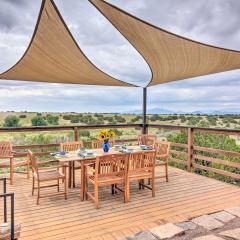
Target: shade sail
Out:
[54,56]
[170,57]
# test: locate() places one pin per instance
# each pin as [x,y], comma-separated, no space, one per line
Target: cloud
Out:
[214,22]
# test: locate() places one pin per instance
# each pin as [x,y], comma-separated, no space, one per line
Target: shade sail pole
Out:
[144,129]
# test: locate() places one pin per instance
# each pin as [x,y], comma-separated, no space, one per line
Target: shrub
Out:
[12,121]
[75,119]
[53,120]
[23,116]
[38,121]
[154,118]
[67,117]
[84,133]
[120,119]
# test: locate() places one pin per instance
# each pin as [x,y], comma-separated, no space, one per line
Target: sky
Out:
[214,22]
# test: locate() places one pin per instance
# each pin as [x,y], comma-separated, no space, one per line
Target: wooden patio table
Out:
[74,156]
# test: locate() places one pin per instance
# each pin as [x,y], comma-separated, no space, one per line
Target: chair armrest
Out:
[50,168]
[162,155]
[48,162]
[3,157]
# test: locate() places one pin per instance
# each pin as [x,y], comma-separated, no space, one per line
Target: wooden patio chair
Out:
[162,154]
[141,166]
[98,144]
[8,161]
[47,174]
[109,170]
[72,146]
[147,139]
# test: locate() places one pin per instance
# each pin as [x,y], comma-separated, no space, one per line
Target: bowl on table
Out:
[59,153]
[144,147]
[90,154]
[63,153]
[82,149]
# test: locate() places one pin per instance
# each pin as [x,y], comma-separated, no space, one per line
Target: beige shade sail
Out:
[54,56]
[170,57]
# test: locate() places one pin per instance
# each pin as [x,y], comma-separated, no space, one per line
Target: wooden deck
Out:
[186,195]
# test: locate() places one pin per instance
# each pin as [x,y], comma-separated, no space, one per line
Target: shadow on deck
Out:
[187,195]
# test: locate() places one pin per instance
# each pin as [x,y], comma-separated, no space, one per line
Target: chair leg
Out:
[113,189]
[33,185]
[11,171]
[153,187]
[58,188]
[86,188]
[96,196]
[63,173]
[127,192]
[65,186]
[38,194]
[139,184]
[73,172]
[28,174]
[166,172]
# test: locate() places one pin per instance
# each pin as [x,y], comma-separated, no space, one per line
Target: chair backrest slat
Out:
[33,161]
[162,148]
[98,144]
[142,161]
[111,164]
[71,146]
[5,149]
[147,139]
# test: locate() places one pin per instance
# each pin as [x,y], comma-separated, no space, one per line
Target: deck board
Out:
[187,195]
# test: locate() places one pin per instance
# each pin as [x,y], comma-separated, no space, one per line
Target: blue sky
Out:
[214,22]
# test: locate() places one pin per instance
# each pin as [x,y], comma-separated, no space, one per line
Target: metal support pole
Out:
[12,216]
[5,199]
[144,130]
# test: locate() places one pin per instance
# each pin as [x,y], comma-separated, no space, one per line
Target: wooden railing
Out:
[188,154]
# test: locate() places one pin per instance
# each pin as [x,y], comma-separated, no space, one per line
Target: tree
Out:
[12,121]
[38,121]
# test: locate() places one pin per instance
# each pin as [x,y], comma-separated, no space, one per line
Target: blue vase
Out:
[106,146]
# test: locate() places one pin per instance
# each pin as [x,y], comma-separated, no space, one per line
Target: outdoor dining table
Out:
[73,157]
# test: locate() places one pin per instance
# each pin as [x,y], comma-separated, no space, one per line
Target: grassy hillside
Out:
[220,121]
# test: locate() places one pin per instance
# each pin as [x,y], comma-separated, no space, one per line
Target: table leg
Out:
[82,181]
[70,174]
[73,173]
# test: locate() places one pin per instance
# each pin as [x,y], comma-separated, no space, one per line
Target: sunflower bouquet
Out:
[105,135]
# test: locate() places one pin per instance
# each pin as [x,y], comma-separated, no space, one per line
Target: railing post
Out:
[75,134]
[190,149]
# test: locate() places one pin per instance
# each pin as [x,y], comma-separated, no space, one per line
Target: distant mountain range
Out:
[166,111]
